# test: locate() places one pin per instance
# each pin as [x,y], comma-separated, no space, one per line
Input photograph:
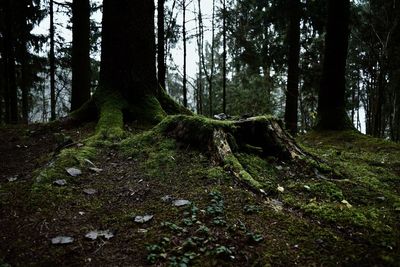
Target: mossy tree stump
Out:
[263,135]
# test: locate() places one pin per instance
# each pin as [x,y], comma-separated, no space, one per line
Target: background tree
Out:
[161,68]
[81,75]
[292,93]
[331,102]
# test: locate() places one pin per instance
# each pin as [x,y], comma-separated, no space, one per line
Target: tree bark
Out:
[81,74]
[52,64]
[128,49]
[331,102]
[11,96]
[292,93]
[224,56]
[184,83]
[161,44]
[210,85]
[200,44]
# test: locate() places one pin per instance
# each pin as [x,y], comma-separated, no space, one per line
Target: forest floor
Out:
[201,215]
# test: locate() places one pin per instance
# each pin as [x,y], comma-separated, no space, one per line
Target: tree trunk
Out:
[185,102]
[52,65]
[11,95]
[161,44]
[24,85]
[224,57]
[80,53]
[331,102]
[292,93]
[210,85]
[200,43]
[128,49]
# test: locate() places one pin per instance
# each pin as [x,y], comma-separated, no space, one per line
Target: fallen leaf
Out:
[12,179]
[347,203]
[62,240]
[90,191]
[143,219]
[73,171]
[93,235]
[181,202]
[61,182]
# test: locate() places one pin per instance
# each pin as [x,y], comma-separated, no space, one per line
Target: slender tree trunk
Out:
[24,85]
[200,43]
[161,44]
[11,84]
[331,102]
[224,57]
[52,65]
[292,93]
[80,53]
[185,102]
[210,88]
[378,114]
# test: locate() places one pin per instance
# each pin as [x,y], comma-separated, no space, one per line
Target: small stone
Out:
[62,240]
[90,191]
[181,202]
[143,219]
[73,171]
[61,182]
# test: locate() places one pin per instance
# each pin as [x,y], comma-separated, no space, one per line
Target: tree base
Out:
[222,139]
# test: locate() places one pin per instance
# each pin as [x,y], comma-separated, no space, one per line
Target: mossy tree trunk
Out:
[128,87]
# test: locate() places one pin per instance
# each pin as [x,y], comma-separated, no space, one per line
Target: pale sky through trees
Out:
[62,19]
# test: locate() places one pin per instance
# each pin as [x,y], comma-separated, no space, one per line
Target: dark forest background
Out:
[263,57]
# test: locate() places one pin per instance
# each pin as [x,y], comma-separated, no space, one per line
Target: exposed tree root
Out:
[222,139]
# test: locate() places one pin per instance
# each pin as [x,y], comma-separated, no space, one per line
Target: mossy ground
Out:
[304,219]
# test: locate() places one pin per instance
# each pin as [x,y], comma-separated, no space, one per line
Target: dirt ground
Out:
[225,224]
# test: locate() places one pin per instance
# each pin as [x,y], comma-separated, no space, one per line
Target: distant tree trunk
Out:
[80,53]
[52,65]
[224,57]
[292,93]
[200,43]
[24,85]
[185,102]
[161,44]
[210,86]
[11,95]
[331,102]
